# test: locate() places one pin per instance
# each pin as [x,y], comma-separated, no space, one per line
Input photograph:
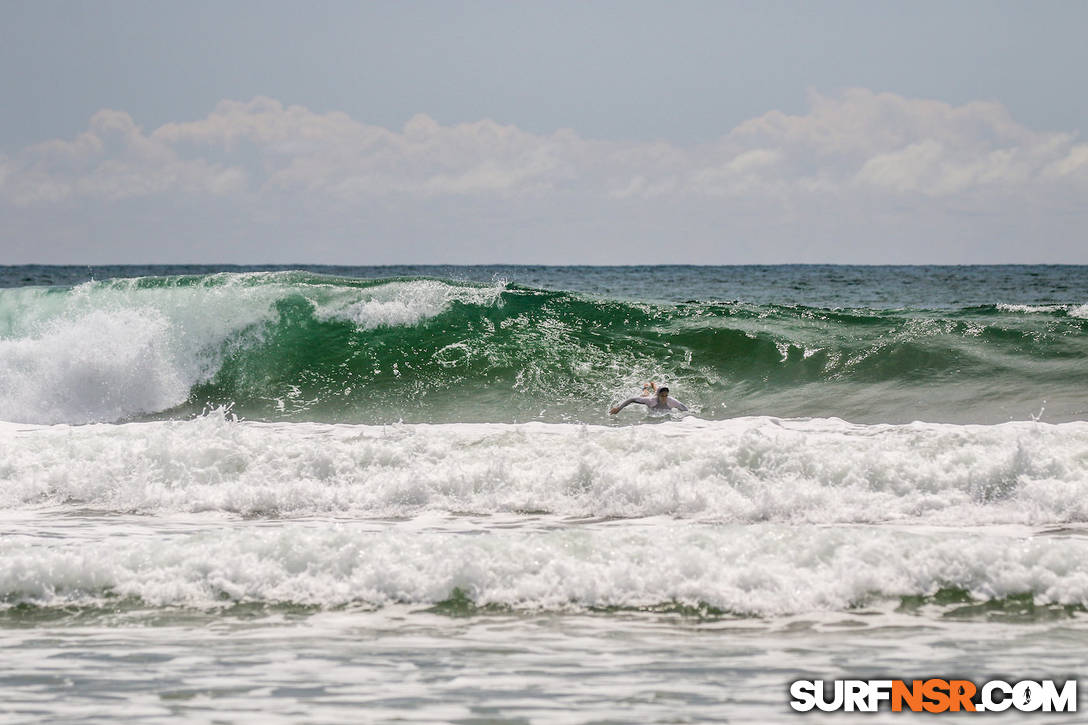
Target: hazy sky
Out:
[583,132]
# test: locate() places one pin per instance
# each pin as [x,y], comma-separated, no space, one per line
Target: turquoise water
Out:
[378,494]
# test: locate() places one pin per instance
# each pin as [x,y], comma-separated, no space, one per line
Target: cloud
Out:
[884,141]
[1071,164]
[862,141]
[111,161]
[893,158]
[336,155]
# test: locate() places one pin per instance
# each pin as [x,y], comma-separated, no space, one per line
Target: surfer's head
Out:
[662,392]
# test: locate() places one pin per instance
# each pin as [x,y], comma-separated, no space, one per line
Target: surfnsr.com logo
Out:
[933,695]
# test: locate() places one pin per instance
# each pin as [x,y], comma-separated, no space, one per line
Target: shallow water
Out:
[288,635]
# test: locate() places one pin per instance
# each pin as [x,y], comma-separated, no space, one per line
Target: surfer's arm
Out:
[624,404]
[674,403]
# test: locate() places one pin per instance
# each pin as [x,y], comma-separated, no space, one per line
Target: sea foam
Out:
[763,569]
[404,302]
[742,470]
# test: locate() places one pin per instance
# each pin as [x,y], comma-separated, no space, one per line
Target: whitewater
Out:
[369,494]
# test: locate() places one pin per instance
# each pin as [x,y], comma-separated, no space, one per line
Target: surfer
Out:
[660,402]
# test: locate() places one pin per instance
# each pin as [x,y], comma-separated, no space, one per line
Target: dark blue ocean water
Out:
[811,285]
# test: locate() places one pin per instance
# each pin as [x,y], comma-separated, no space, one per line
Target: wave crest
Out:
[299,346]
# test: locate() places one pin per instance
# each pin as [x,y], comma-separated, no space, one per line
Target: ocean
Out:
[376,494]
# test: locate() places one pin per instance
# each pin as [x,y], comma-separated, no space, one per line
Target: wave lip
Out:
[743,470]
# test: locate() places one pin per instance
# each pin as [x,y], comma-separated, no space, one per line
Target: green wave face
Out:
[525,354]
[298,346]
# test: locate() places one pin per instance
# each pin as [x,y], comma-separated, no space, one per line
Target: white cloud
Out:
[1074,162]
[111,161]
[896,158]
[334,154]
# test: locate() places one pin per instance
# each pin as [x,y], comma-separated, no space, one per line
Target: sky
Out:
[543,132]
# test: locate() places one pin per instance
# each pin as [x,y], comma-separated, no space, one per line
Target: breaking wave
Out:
[303,347]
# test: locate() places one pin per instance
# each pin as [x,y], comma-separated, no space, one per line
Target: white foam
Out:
[741,470]
[1031,308]
[403,303]
[768,569]
[104,351]
[1079,311]
[100,366]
